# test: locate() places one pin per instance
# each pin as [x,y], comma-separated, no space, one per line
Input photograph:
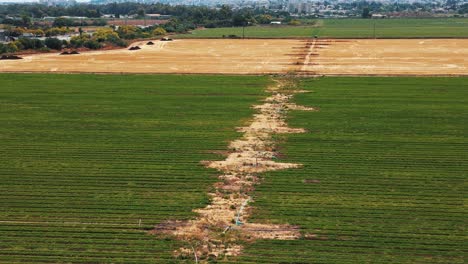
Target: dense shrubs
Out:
[102,37]
[53,43]
[176,26]
[85,41]
[66,22]
[56,31]
[92,44]
[8,48]
[159,31]
[25,43]
[98,40]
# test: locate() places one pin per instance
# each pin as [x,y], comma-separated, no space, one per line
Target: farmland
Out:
[382,182]
[389,57]
[350,28]
[181,56]
[384,163]
[86,157]
[264,56]
[143,164]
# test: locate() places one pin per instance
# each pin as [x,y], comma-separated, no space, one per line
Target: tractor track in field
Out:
[222,225]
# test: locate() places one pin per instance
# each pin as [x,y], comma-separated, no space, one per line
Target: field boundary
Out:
[240,74]
[320,38]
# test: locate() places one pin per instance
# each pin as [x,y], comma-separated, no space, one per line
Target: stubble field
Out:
[312,57]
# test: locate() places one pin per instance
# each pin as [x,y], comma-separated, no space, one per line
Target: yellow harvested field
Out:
[269,56]
[392,57]
[179,56]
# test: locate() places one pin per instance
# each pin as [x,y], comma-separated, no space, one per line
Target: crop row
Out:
[90,163]
[384,164]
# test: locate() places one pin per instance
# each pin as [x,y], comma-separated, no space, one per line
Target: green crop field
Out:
[85,157]
[384,167]
[350,28]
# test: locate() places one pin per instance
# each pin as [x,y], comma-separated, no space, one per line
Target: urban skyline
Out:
[202,2]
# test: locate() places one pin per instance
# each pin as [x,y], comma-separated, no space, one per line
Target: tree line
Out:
[104,36]
[193,15]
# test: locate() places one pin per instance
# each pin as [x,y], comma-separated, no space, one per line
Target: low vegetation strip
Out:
[348,28]
[91,162]
[382,181]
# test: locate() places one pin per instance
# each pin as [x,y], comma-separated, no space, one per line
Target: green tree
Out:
[78,41]
[141,12]
[63,22]
[53,43]
[452,4]
[239,20]
[26,43]
[104,34]
[15,32]
[127,32]
[366,12]
[26,21]
[463,9]
[264,19]
[11,47]
[225,12]
[92,44]
[159,31]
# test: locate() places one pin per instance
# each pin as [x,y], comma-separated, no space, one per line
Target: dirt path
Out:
[221,225]
[308,57]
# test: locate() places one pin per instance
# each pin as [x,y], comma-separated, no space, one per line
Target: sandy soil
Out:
[179,56]
[391,57]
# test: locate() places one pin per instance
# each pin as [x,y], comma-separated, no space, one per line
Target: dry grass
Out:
[268,56]
[179,56]
[392,57]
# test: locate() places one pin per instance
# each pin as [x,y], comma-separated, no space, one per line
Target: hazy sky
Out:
[17,1]
[29,1]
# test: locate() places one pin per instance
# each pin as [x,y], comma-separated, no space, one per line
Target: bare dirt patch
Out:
[221,225]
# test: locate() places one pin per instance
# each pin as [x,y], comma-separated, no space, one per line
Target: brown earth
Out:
[268,56]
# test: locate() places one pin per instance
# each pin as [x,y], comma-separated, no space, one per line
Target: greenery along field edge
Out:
[345,28]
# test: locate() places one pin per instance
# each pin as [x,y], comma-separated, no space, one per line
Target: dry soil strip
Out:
[222,224]
[308,57]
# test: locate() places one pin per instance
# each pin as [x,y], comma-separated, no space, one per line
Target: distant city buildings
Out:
[58,2]
[314,8]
